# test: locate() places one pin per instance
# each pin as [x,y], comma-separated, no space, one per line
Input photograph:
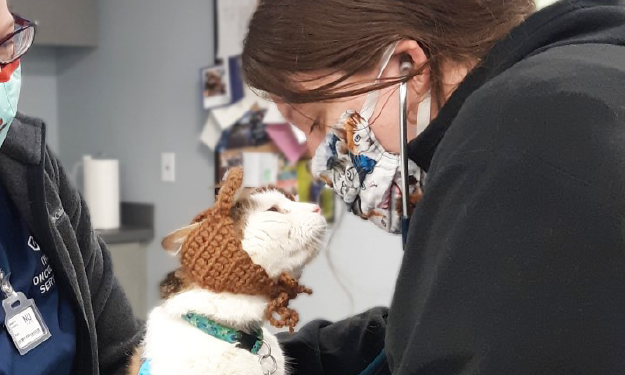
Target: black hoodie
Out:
[515,261]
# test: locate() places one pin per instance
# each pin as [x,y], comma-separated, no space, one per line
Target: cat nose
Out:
[316,209]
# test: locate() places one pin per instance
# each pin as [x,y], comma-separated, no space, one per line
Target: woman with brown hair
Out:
[515,185]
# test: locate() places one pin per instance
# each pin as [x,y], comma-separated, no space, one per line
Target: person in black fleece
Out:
[515,254]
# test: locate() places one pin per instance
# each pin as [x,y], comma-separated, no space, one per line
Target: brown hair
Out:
[287,37]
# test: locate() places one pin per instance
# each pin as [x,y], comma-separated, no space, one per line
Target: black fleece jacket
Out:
[515,260]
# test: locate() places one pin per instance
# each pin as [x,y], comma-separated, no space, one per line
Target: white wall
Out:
[39,90]
[366,263]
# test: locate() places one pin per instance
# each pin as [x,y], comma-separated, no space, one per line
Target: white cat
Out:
[278,234]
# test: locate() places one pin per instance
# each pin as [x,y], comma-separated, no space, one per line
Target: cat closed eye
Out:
[273,209]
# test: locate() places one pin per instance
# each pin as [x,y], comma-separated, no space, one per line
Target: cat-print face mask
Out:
[362,172]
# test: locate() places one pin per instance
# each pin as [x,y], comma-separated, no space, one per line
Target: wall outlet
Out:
[168,167]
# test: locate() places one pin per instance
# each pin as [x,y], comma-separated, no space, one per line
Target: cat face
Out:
[347,184]
[279,234]
[357,134]
[341,175]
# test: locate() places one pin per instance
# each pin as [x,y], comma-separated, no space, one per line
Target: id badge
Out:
[24,322]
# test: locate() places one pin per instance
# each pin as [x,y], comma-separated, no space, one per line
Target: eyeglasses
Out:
[17,43]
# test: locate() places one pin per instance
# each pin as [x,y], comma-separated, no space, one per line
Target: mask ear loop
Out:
[372,97]
[404,68]
[423,113]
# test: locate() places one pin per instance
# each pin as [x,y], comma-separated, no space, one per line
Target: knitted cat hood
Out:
[212,257]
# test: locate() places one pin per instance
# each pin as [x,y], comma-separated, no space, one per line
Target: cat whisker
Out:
[267,234]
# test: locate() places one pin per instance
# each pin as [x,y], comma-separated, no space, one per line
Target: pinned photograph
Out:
[216,91]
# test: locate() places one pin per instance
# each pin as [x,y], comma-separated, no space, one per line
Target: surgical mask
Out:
[361,172]
[11,81]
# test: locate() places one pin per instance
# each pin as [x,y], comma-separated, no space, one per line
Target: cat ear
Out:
[229,191]
[173,242]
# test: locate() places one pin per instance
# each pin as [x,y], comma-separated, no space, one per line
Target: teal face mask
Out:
[10,88]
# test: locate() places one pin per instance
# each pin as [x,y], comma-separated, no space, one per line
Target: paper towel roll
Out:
[101,185]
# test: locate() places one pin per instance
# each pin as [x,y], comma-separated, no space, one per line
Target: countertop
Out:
[137,225]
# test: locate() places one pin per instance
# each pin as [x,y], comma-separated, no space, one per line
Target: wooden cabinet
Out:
[69,23]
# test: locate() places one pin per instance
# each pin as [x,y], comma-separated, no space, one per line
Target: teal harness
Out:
[250,342]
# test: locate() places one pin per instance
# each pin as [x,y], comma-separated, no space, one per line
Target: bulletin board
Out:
[246,130]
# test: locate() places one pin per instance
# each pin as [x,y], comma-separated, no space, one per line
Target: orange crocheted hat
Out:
[212,256]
